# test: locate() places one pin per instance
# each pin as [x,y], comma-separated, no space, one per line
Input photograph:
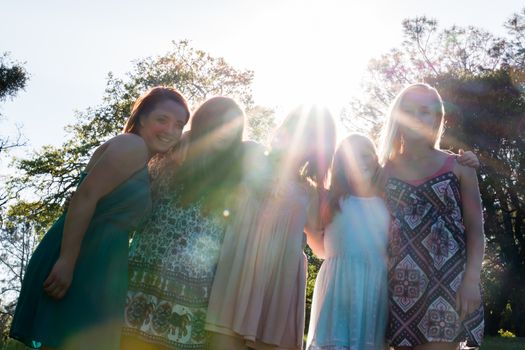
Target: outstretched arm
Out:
[123,156]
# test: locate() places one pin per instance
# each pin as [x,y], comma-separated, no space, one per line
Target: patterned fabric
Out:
[172,262]
[427,257]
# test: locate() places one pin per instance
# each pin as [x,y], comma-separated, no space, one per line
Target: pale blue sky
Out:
[298,49]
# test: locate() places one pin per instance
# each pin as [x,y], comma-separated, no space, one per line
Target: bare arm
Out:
[315,241]
[123,156]
[468,296]
[314,228]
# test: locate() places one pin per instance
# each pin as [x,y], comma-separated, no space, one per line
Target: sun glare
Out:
[320,55]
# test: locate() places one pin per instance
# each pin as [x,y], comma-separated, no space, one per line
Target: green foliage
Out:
[506,334]
[13,77]
[17,242]
[261,123]
[515,26]
[314,264]
[485,113]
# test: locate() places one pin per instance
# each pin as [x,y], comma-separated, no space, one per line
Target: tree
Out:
[482,79]
[515,26]
[13,78]
[486,113]
[18,241]
[50,174]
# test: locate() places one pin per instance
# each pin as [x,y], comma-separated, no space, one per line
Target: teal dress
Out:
[93,306]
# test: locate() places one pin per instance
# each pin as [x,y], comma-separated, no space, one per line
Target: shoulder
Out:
[128,141]
[443,156]
[392,165]
[462,171]
[128,145]
[127,150]
[447,160]
[120,148]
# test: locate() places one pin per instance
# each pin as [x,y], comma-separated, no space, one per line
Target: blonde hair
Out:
[391,142]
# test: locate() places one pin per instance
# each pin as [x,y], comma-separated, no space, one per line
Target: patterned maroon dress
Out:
[427,257]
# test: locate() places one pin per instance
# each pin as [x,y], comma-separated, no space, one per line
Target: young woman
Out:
[258,295]
[74,288]
[437,244]
[173,255]
[349,308]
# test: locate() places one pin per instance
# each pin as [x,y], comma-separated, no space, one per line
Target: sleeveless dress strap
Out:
[448,165]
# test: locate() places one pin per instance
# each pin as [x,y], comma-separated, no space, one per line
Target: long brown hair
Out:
[340,186]
[207,174]
[147,102]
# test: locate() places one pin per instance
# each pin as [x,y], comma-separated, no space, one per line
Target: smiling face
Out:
[161,128]
[420,115]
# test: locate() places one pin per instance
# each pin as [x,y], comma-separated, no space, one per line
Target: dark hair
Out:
[340,187]
[207,174]
[313,124]
[147,102]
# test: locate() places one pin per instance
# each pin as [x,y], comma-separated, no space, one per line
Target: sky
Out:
[300,51]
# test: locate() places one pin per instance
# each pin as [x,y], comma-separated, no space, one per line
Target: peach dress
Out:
[258,293]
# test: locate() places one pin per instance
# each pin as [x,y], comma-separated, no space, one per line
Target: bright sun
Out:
[320,54]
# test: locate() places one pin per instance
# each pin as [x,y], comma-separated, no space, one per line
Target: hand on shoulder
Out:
[464,172]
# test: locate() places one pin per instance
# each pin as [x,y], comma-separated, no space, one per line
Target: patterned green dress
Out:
[92,307]
[172,263]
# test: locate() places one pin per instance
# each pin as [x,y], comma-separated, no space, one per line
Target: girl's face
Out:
[418,113]
[360,163]
[162,128]
[223,136]
[292,144]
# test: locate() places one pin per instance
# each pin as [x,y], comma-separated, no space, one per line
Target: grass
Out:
[499,343]
[489,343]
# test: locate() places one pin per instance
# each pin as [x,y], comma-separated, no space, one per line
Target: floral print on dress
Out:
[427,257]
[172,262]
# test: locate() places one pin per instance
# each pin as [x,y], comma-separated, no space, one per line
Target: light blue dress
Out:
[349,308]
